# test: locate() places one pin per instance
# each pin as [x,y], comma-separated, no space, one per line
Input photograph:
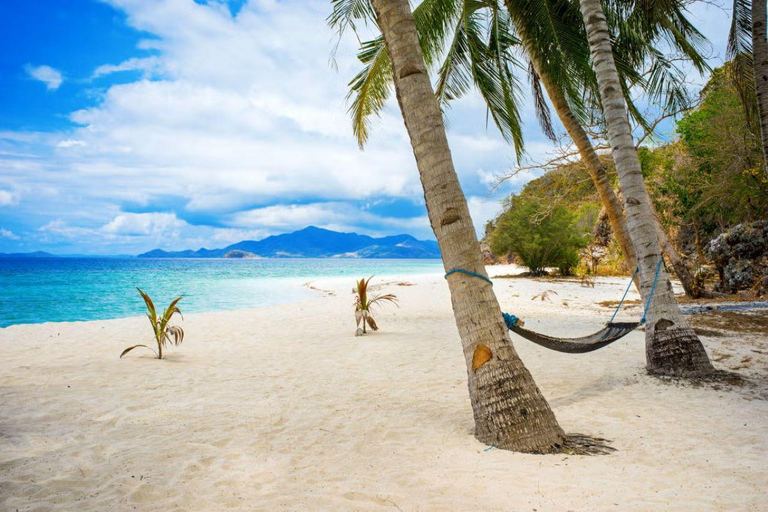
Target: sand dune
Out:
[284,409]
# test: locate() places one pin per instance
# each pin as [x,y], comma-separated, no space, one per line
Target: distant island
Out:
[314,242]
[36,254]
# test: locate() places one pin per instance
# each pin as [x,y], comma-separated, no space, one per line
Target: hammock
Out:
[613,331]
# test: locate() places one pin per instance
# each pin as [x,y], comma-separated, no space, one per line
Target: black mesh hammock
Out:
[613,331]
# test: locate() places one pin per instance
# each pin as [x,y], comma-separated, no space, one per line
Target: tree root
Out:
[580,444]
[714,378]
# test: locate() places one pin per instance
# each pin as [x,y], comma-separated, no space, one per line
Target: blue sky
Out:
[127,125]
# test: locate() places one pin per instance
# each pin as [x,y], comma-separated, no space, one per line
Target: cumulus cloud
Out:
[7,198]
[235,118]
[149,66]
[52,78]
[5,233]
[483,209]
[336,216]
[144,224]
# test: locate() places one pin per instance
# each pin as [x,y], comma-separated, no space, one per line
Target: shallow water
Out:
[73,289]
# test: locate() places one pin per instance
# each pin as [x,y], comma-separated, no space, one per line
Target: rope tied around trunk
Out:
[469,273]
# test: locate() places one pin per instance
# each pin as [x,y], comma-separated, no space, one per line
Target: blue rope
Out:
[481,276]
[625,295]
[653,289]
[510,320]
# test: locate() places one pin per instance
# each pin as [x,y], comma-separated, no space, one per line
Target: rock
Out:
[740,256]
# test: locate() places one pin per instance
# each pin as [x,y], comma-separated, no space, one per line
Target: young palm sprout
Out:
[364,302]
[164,333]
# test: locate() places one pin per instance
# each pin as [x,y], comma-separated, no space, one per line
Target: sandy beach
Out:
[283,408]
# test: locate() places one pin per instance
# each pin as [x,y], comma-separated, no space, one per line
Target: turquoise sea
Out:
[73,289]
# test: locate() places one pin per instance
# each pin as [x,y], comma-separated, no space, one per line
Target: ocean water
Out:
[74,289]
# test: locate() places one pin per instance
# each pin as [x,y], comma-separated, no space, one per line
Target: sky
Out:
[129,125]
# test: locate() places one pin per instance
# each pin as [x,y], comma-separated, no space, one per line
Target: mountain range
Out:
[314,242]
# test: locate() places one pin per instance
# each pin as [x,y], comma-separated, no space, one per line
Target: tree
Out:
[748,47]
[479,39]
[510,411]
[540,236]
[672,347]
[712,178]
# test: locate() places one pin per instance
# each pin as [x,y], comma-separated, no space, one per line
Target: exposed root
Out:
[580,444]
[575,444]
[714,377]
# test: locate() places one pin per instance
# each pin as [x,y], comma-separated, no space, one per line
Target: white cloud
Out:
[144,224]
[70,143]
[149,66]
[336,216]
[232,112]
[483,209]
[52,78]
[4,233]
[8,198]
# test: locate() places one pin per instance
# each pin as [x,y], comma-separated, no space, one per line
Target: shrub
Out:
[540,235]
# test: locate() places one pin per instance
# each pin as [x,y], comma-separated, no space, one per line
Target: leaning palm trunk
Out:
[672,348]
[510,411]
[760,58]
[587,152]
[596,170]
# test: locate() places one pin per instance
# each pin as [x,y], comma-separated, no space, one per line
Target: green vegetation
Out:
[540,235]
[706,180]
[163,332]
[713,176]
[365,302]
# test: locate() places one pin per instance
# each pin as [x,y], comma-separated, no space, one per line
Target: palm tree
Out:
[552,36]
[364,303]
[469,58]
[161,329]
[748,46]
[510,411]
[672,347]
[548,51]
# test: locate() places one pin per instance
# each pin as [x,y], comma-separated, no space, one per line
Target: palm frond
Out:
[370,88]
[175,334]
[740,32]
[346,14]
[133,347]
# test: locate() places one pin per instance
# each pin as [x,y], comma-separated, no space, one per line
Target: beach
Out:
[283,408]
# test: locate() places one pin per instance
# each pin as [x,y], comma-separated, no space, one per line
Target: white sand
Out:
[284,409]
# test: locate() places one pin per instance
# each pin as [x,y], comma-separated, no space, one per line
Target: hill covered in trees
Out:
[709,179]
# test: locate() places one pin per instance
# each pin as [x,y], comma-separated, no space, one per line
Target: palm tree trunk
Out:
[672,348]
[596,169]
[760,58]
[590,158]
[510,411]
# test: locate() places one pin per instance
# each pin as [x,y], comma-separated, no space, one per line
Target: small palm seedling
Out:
[364,302]
[164,333]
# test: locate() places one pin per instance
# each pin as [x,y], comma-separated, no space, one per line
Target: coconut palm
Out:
[510,411]
[748,47]
[484,56]
[479,39]
[672,347]
[364,303]
[163,332]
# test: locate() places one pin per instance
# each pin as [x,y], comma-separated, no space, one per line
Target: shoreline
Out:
[283,408]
